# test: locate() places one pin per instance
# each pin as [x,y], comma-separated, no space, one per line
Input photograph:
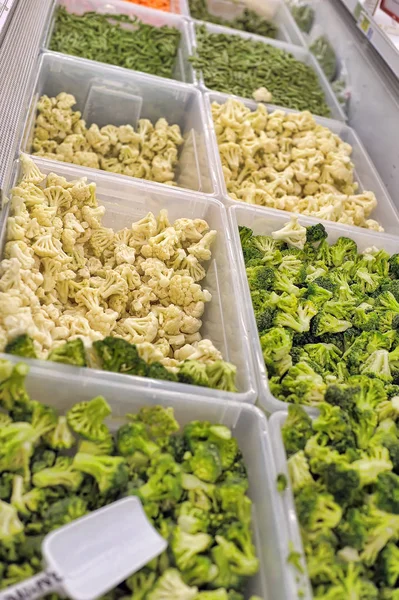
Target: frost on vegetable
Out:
[68,283]
[289,162]
[149,153]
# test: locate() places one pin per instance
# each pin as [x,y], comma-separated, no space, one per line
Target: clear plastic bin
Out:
[301,54]
[128,200]
[288,30]
[276,423]
[264,222]
[61,389]
[183,70]
[365,172]
[110,95]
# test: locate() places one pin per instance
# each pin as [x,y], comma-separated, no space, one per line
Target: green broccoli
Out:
[369,467]
[12,384]
[140,583]
[10,525]
[206,463]
[29,502]
[260,278]
[298,468]
[245,234]
[219,435]
[342,482]
[282,482]
[201,572]
[269,248]
[236,543]
[303,385]
[227,577]
[194,373]
[325,323]
[159,421]
[377,365]
[42,458]
[86,419]
[192,519]
[22,345]
[61,437]
[222,376]
[6,483]
[298,320]
[133,437]
[352,530]
[231,495]
[70,353]
[296,430]
[335,424]
[102,448]
[394,265]
[388,565]
[158,371]
[164,482]
[16,447]
[388,409]
[276,346]
[200,494]
[316,509]
[317,294]
[62,473]
[387,492]
[315,234]
[16,573]
[64,511]
[170,586]
[110,472]
[186,546]
[117,355]
[383,527]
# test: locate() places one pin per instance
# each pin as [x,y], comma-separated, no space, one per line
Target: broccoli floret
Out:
[61,437]
[264,319]
[370,392]
[118,355]
[391,285]
[325,355]
[369,467]
[200,493]
[43,418]
[226,577]
[316,234]
[140,583]
[186,546]
[157,371]
[334,423]
[344,249]
[69,353]
[6,482]
[236,543]
[388,301]
[342,482]
[252,256]
[299,319]
[29,502]
[298,468]
[222,376]
[377,365]
[245,234]
[201,572]
[62,473]
[16,447]
[194,373]
[394,265]
[317,510]
[317,294]
[352,530]
[281,482]
[297,429]
[341,395]
[303,385]
[276,346]
[164,482]
[192,519]
[206,463]
[325,323]
[269,248]
[388,565]
[12,384]
[133,437]
[387,492]
[260,278]
[63,512]
[86,418]
[110,472]
[22,345]
[10,525]
[42,458]
[388,409]
[231,494]
[365,319]
[325,282]
[170,586]
[383,528]
[16,573]
[198,432]
[159,422]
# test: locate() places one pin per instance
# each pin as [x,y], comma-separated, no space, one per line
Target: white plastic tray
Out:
[365,173]
[264,222]
[288,30]
[300,53]
[276,423]
[61,389]
[183,70]
[111,95]
[128,200]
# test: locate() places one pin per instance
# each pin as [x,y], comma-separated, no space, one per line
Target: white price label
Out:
[391,7]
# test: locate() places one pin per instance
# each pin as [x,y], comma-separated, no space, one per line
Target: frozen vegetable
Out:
[325,54]
[235,65]
[344,476]
[66,277]
[117,40]
[287,161]
[249,20]
[150,152]
[327,316]
[192,483]
[303,15]
[159,4]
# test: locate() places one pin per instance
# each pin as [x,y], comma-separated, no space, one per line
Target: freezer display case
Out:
[199,298]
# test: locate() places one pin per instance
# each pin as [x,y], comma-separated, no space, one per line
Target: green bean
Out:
[240,66]
[248,21]
[325,54]
[101,37]
[304,17]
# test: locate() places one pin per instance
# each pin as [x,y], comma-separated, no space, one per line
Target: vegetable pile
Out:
[235,65]
[344,473]
[325,54]
[288,161]
[107,39]
[56,468]
[327,315]
[149,153]
[249,20]
[66,276]
[304,16]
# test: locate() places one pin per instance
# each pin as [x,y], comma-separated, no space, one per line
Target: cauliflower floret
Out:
[143,230]
[102,239]
[163,245]
[10,302]
[22,252]
[103,321]
[183,291]
[124,254]
[191,230]
[30,172]
[262,94]
[140,301]
[114,284]
[292,233]
[149,352]
[138,329]
[201,250]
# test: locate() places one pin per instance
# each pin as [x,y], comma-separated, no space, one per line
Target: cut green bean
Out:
[234,65]
[106,38]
